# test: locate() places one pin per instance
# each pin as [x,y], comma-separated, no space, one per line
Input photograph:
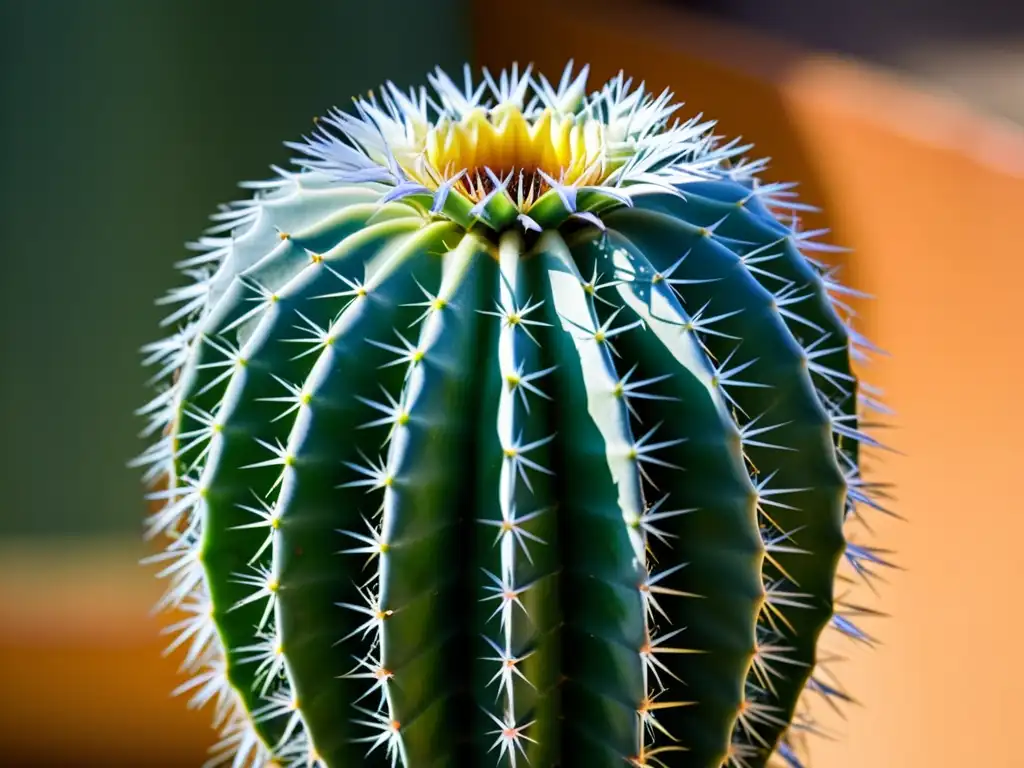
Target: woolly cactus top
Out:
[516,150]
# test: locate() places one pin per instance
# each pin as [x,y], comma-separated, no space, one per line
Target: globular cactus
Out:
[517,425]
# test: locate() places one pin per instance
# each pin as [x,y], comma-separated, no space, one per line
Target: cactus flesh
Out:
[515,427]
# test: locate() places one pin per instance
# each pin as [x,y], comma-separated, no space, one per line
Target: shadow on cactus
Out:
[515,427]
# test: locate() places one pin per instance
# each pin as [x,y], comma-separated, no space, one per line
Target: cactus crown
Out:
[515,140]
[517,426]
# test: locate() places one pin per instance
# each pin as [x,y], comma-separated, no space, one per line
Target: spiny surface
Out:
[517,427]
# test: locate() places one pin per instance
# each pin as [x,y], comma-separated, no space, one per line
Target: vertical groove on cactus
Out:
[609,664]
[702,519]
[800,485]
[420,517]
[251,455]
[516,427]
[332,401]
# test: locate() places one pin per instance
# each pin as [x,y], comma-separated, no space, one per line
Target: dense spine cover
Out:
[518,426]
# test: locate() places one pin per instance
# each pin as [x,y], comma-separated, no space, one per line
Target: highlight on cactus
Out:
[517,426]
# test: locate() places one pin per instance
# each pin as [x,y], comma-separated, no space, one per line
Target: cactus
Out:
[517,426]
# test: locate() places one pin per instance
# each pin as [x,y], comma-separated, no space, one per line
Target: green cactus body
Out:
[516,427]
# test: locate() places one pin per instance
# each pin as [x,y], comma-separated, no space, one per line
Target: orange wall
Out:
[931,199]
[84,678]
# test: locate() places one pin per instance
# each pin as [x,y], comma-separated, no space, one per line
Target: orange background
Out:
[931,198]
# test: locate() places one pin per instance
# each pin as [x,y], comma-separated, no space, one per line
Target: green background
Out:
[123,123]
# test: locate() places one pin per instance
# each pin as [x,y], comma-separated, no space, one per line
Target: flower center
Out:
[524,154]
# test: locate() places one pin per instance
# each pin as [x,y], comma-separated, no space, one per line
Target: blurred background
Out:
[123,123]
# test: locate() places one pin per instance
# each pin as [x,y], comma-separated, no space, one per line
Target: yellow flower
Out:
[516,150]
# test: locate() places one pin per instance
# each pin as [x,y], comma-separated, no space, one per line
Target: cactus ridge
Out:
[479,472]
